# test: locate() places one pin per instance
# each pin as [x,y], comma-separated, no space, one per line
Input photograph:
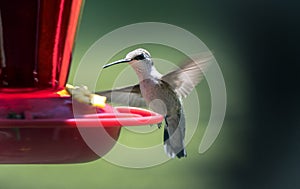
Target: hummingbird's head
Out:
[138,54]
[139,59]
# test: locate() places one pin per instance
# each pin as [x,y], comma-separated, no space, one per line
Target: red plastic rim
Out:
[123,116]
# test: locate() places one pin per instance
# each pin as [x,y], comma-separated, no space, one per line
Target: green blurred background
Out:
[258,146]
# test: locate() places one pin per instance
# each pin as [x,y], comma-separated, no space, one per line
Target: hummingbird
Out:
[161,93]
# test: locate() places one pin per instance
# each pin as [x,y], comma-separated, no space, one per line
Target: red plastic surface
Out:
[38,38]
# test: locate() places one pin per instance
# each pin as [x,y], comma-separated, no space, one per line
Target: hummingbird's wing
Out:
[128,96]
[187,76]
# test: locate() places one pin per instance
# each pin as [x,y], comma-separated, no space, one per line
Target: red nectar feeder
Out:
[36,124]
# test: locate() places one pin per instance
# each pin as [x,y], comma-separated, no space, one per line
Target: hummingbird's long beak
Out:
[117,62]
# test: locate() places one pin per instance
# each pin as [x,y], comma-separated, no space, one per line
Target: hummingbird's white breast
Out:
[145,70]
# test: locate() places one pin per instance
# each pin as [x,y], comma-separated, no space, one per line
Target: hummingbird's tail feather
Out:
[167,146]
[174,134]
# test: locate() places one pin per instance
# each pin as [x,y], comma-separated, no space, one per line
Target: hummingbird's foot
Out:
[158,125]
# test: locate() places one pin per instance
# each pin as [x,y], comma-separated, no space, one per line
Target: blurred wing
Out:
[128,96]
[187,76]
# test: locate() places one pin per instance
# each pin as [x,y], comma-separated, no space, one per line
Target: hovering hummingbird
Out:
[161,93]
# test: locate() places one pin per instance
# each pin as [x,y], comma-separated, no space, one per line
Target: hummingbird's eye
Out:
[139,57]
